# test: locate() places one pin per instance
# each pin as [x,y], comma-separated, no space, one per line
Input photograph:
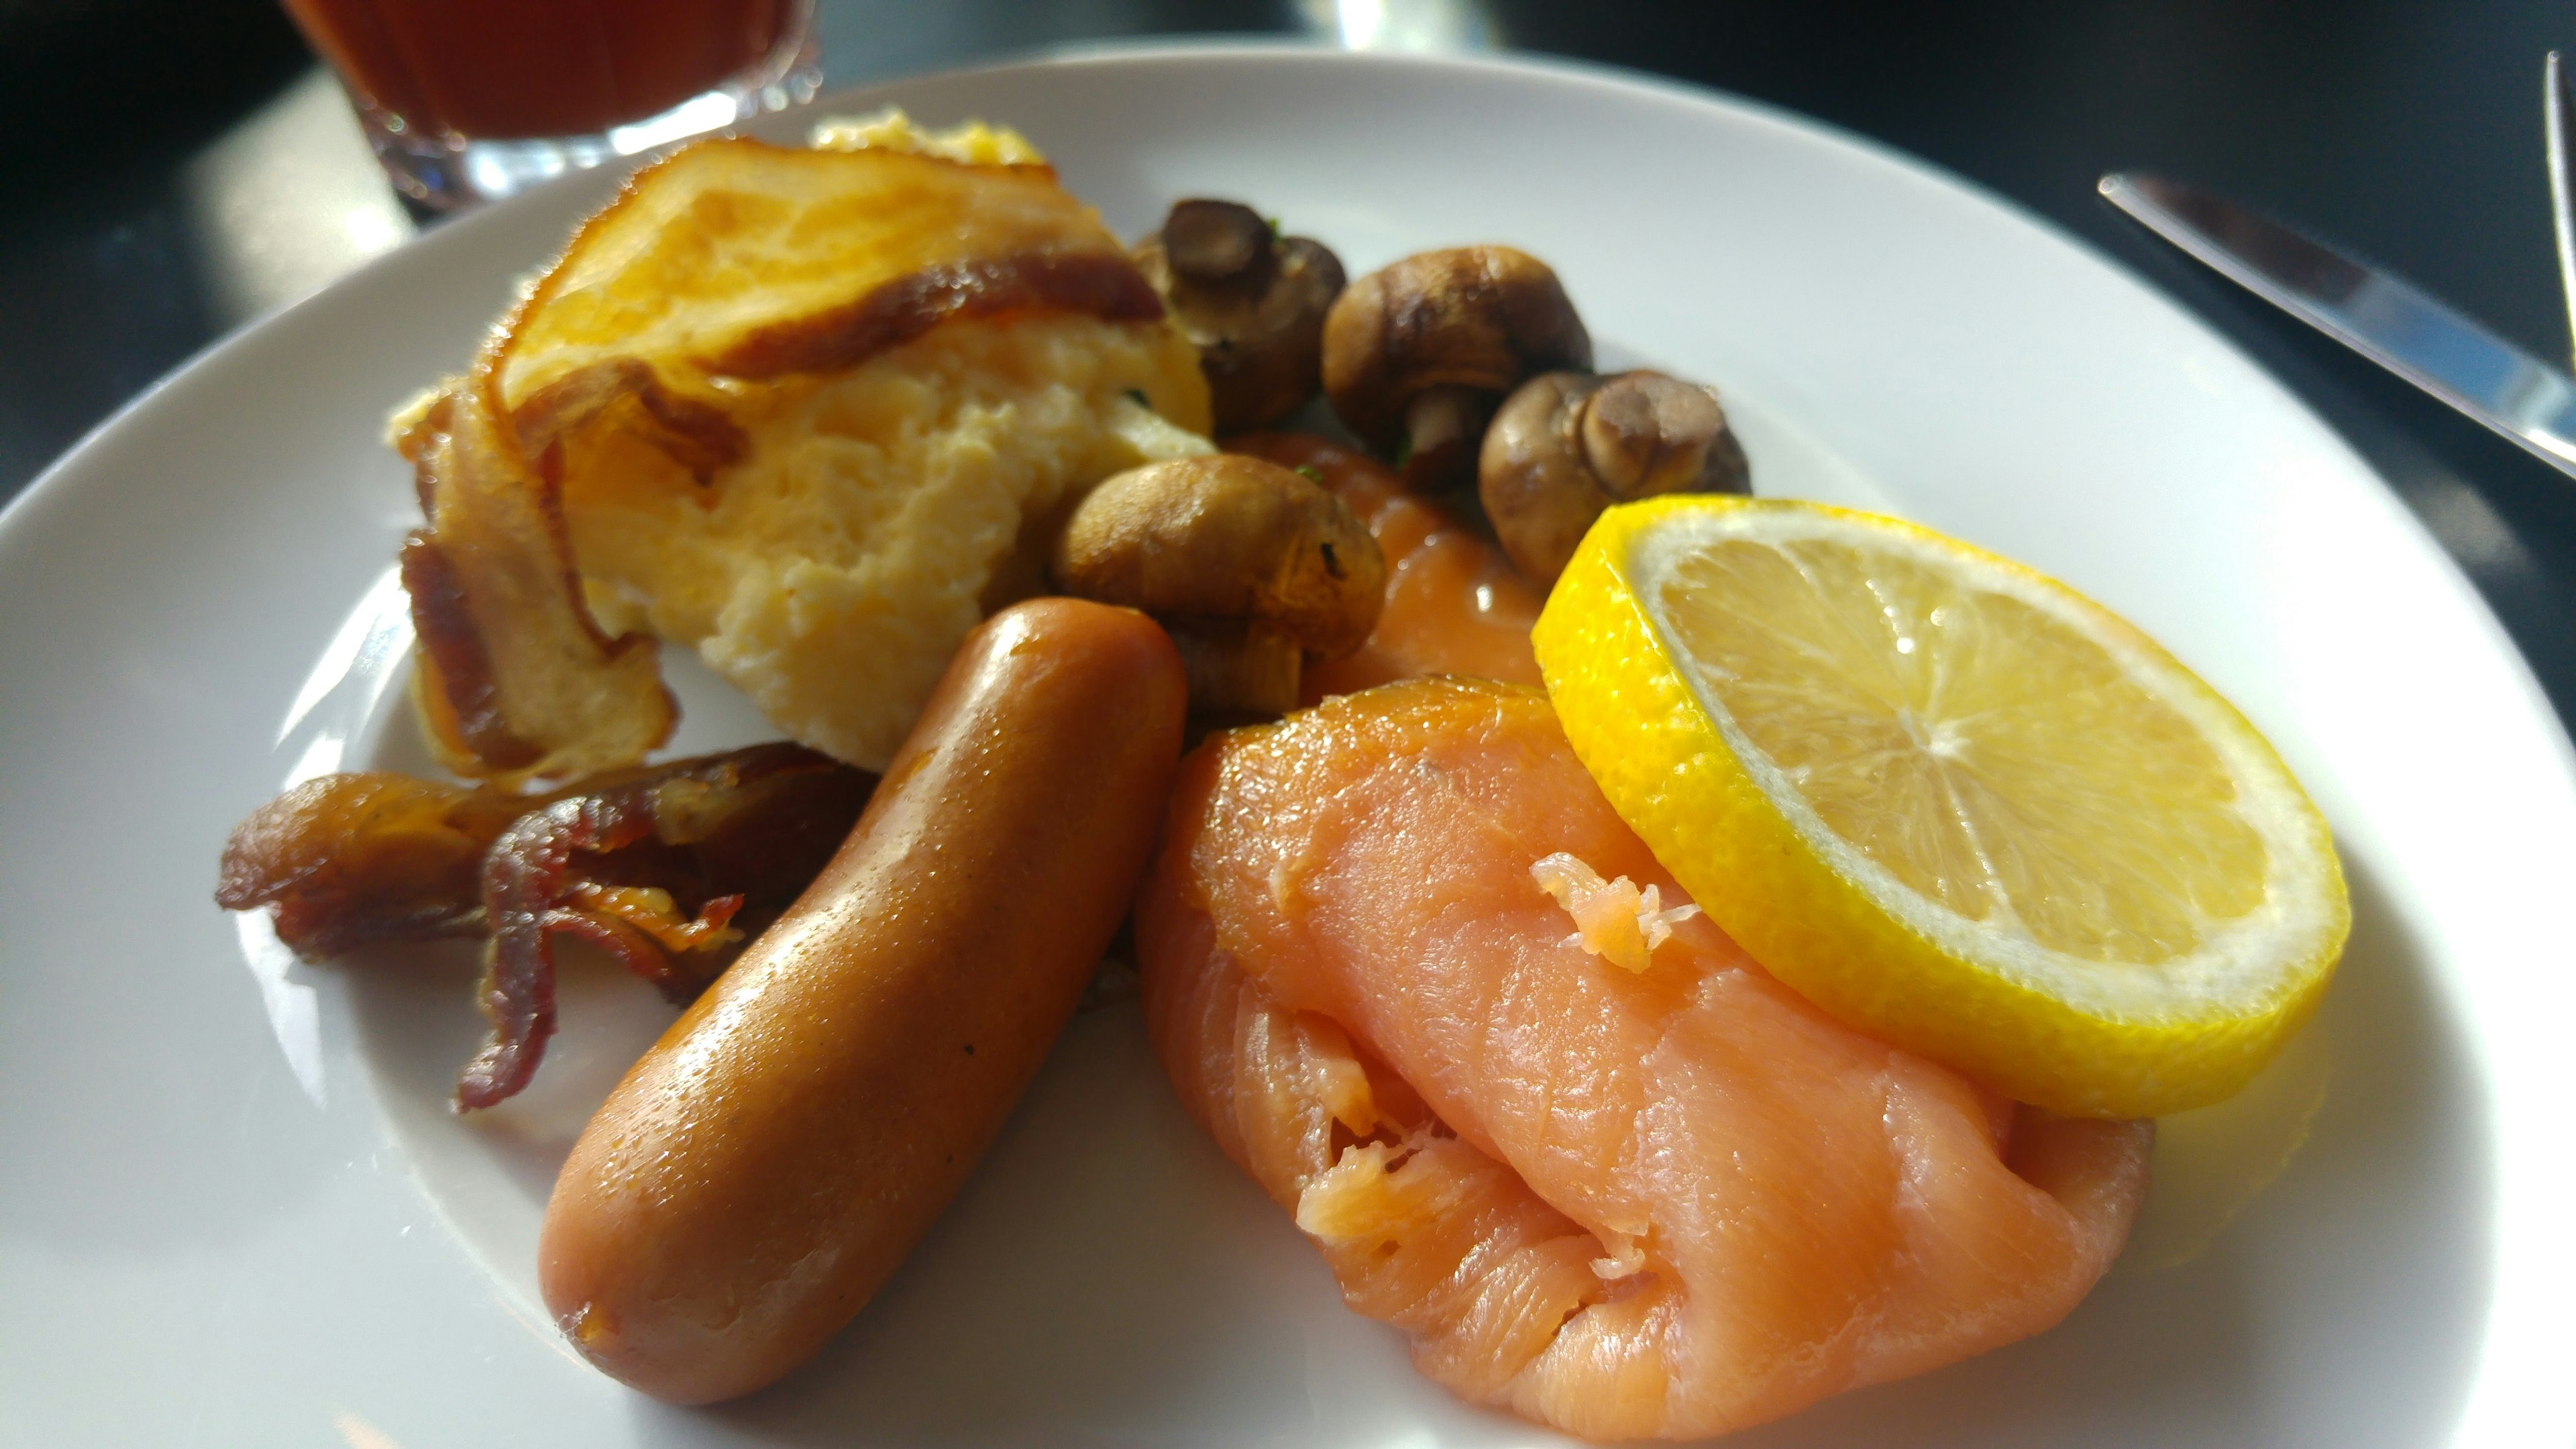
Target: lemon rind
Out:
[2052,1029]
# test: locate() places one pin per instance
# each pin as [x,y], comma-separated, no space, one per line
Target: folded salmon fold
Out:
[1668,1203]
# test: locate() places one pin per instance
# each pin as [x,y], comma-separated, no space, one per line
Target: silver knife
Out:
[2373,313]
[2554,131]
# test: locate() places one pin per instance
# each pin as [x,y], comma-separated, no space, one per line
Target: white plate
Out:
[233,1210]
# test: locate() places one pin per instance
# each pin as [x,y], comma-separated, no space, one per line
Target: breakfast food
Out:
[340,861]
[771,1160]
[1660,1053]
[1672,1201]
[603,866]
[1952,802]
[1453,605]
[812,412]
[1251,567]
[663,867]
[1418,353]
[1567,445]
[1252,302]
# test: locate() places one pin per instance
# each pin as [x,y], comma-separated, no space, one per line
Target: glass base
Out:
[440,172]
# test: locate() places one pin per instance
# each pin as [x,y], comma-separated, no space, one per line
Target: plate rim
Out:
[52,488]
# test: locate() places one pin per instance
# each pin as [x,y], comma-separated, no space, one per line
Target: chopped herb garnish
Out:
[1136,395]
[1310,473]
[1274,227]
[1404,450]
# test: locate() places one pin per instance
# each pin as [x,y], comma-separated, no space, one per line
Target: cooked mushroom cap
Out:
[1417,354]
[1228,537]
[1567,445]
[1644,433]
[1253,303]
[1217,243]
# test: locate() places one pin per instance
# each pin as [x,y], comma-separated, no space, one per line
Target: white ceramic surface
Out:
[233,1209]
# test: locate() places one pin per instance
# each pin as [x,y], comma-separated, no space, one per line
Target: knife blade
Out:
[2555,133]
[2372,312]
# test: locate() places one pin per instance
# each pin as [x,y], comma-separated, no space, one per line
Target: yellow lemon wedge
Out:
[1951,801]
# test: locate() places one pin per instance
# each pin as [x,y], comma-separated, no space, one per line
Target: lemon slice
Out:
[1951,801]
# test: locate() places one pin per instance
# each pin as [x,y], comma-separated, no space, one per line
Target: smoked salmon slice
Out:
[1454,604]
[1671,1202]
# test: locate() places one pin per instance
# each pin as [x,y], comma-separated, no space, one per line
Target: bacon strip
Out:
[697,435]
[345,860]
[662,867]
[460,699]
[736,833]
[730,239]
[1102,284]
[520,679]
[524,881]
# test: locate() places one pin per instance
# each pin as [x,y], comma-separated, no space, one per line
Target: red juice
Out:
[526,69]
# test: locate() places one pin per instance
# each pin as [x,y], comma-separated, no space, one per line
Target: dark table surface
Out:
[2409,133]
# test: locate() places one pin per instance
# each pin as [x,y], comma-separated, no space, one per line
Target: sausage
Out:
[764,1168]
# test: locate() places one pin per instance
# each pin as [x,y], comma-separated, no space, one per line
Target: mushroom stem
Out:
[1238,666]
[1442,426]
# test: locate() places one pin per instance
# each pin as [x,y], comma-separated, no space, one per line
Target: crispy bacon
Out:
[731,239]
[349,859]
[459,699]
[698,436]
[663,867]
[1103,284]
[653,870]
[520,680]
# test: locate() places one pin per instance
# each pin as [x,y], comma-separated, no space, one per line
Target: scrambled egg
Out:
[974,142]
[880,514]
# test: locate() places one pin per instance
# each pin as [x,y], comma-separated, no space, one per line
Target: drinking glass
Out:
[467,100]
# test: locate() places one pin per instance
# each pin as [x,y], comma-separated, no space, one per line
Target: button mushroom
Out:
[1251,567]
[1252,301]
[1567,445]
[1417,354]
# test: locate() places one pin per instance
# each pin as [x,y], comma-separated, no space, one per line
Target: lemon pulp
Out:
[1950,800]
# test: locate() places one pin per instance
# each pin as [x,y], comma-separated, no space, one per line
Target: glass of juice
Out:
[467,100]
